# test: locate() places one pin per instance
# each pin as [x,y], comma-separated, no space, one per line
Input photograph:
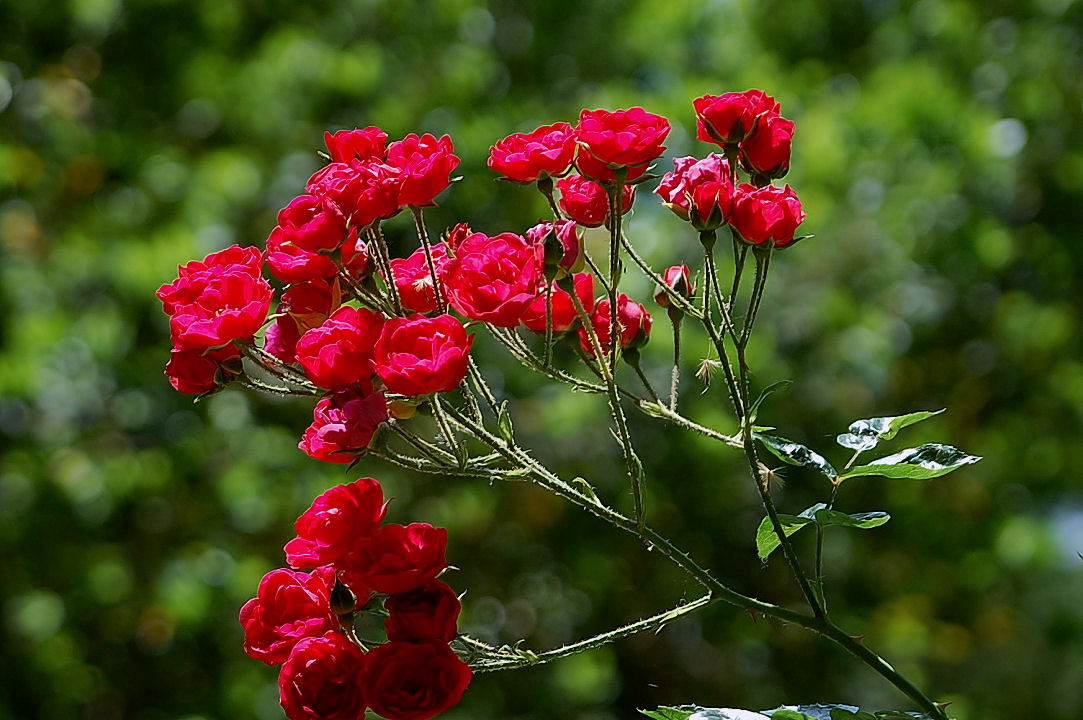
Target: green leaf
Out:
[694,712]
[866,434]
[796,454]
[767,541]
[669,713]
[921,463]
[773,387]
[834,712]
[503,423]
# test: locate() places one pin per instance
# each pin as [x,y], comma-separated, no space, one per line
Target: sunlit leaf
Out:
[921,463]
[866,434]
[796,454]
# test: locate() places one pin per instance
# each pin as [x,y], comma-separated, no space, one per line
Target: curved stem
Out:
[521,658]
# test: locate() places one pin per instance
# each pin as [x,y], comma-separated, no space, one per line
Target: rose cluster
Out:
[303,621]
[751,132]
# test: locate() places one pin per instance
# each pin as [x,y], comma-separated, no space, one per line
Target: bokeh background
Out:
[939,154]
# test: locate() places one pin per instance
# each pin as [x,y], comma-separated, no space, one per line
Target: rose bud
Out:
[528,157]
[322,680]
[633,321]
[425,164]
[586,202]
[365,190]
[418,355]
[335,522]
[679,279]
[413,681]
[414,279]
[767,150]
[700,191]
[217,300]
[199,371]
[427,613]
[360,144]
[288,607]
[564,313]
[730,118]
[563,249]
[343,424]
[494,279]
[397,558]
[456,235]
[766,213]
[339,351]
[622,139]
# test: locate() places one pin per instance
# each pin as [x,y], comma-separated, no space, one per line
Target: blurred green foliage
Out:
[939,154]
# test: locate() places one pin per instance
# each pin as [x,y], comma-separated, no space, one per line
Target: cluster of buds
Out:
[304,621]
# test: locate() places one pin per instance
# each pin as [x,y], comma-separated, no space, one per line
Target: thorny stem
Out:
[631,460]
[616,192]
[549,323]
[509,659]
[719,591]
[675,375]
[423,235]
[835,484]
[379,242]
[740,252]
[750,447]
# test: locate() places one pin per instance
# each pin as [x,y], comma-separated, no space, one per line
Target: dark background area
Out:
[938,154]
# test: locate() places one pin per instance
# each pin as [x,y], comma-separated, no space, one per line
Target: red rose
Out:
[679,278]
[427,613]
[288,607]
[730,118]
[414,280]
[339,352]
[494,279]
[628,139]
[200,370]
[190,282]
[335,522]
[291,263]
[527,157]
[766,213]
[313,223]
[426,165]
[408,681]
[322,680]
[365,190]
[569,257]
[700,191]
[767,150]
[418,355]
[347,145]
[218,300]
[564,314]
[398,558]
[343,424]
[586,202]
[632,318]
